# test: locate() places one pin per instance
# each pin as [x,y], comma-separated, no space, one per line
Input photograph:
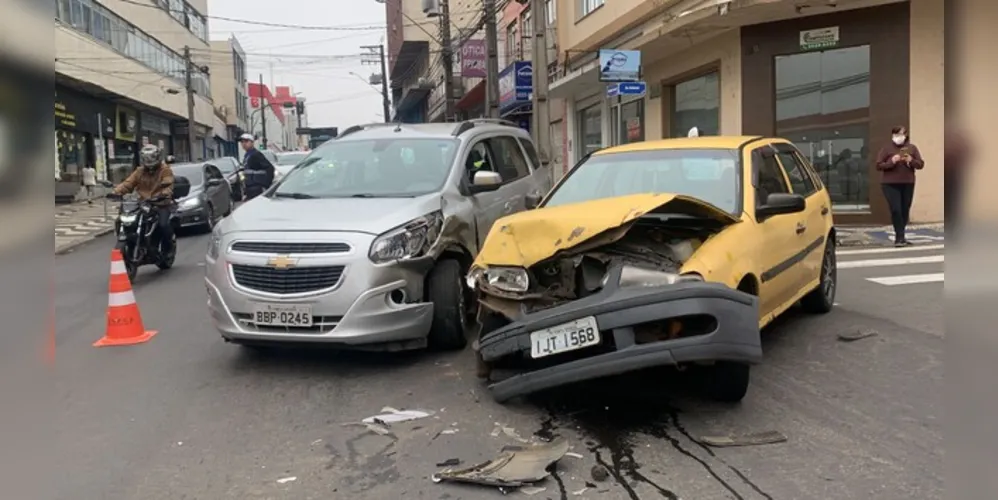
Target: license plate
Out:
[282,315]
[564,338]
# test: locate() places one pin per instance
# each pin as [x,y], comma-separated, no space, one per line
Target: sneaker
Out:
[907,243]
[898,244]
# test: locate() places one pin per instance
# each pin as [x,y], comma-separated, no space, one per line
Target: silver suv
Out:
[366,242]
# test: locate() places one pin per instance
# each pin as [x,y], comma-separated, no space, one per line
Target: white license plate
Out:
[565,337]
[282,315]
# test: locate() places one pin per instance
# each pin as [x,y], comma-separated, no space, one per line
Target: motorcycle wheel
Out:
[166,261]
[130,268]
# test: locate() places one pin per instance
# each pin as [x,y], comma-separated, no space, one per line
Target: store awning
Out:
[576,82]
[473,97]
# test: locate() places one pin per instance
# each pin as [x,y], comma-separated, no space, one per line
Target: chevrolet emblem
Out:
[282,262]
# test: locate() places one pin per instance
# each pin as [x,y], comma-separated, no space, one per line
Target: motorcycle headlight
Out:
[408,241]
[127,220]
[507,279]
[637,277]
[214,244]
[190,203]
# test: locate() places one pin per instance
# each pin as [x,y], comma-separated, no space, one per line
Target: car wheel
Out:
[228,209]
[237,193]
[727,381]
[822,299]
[446,291]
[209,217]
[167,261]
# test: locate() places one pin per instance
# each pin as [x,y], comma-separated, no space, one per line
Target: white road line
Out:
[867,251]
[854,264]
[910,279]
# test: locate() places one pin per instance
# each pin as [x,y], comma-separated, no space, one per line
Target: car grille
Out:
[288,248]
[286,281]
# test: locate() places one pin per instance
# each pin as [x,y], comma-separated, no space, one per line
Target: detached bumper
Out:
[734,335]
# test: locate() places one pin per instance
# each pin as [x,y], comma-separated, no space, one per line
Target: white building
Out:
[230,87]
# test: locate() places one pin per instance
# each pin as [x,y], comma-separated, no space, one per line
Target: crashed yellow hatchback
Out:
[660,253]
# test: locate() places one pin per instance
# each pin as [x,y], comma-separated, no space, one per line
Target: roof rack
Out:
[358,128]
[470,124]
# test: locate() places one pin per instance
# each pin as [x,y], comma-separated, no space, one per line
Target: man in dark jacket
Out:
[257,169]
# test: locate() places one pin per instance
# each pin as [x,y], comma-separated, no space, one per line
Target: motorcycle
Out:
[138,237]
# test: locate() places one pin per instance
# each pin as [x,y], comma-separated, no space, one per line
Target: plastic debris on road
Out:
[750,439]
[390,415]
[285,480]
[515,466]
[532,490]
[859,334]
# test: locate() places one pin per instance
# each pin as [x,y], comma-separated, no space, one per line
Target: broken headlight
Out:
[410,240]
[631,276]
[507,279]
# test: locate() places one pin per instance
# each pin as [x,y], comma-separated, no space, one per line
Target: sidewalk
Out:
[853,236]
[81,222]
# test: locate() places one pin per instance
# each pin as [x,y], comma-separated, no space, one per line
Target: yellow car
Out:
[659,253]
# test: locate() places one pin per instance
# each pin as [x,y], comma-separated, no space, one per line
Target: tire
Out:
[237,193]
[822,299]
[727,381]
[445,289]
[130,268]
[167,262]
[210,216]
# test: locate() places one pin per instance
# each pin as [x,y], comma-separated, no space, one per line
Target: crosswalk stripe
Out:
[910,279]
[854,264]
[867,251]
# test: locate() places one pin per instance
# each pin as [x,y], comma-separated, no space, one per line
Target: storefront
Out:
[80,122]
[834,85]
[155,130]
[123,153]
[202,141]
[516,94]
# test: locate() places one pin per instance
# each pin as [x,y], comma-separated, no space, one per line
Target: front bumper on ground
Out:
[358,311]
[735,336]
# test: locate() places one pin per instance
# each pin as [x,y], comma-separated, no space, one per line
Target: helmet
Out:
[150,156]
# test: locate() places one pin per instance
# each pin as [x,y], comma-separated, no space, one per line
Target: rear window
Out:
[193,173]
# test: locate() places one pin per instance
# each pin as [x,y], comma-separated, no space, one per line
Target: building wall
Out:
[926,108]
[575,34]
[157,21]
[223,80]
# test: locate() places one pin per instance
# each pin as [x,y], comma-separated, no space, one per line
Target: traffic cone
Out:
[124,323]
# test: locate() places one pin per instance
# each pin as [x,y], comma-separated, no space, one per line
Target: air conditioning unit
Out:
[431,8]
[425,83]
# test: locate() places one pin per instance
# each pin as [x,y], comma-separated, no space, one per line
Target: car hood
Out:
[526,238]
[365,215]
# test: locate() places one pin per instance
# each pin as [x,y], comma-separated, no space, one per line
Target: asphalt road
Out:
[186,416]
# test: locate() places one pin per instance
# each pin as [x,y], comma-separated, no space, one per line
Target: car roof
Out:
[428,130]
[707,142]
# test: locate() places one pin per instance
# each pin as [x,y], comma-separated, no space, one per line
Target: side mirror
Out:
[781,204]
[485,181]
[532,201]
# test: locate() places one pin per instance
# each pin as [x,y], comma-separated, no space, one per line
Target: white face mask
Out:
[898,139]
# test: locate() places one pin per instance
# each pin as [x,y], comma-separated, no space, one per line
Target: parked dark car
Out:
[229,167]
[204,195]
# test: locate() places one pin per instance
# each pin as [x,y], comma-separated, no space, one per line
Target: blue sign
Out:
[613,90]
[633,88]
[619,65]
[516,83]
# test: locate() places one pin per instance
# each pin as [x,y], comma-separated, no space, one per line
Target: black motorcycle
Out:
[138,235]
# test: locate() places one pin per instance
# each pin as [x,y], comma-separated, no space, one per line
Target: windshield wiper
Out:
[362,195]
[295,196]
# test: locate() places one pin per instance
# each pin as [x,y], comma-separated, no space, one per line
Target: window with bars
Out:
[586,7]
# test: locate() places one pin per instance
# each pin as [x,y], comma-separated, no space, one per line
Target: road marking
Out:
[910,279]
[854,264]
[867,251]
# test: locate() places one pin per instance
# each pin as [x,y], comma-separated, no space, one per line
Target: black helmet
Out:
[150,156]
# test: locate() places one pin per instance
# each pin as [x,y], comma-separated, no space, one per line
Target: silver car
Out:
[366,243]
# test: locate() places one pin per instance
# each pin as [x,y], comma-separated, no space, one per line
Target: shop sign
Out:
[619,65]
[155,124]
[128,124]
[515,85]
[822,38]
[76,111]
[473,59]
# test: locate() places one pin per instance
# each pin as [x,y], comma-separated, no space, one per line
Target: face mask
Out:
[898,139]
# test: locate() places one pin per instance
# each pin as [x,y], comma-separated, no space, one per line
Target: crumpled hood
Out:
[526,238]
[364,215]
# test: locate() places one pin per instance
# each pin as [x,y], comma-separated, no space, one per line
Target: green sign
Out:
[822,38]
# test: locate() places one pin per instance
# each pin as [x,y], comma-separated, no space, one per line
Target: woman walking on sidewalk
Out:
[898,162]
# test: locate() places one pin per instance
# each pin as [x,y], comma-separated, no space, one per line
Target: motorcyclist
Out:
[153,179]
[257,169]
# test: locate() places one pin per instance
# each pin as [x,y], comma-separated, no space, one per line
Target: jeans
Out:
[254,191]
[899,201]
[165,229]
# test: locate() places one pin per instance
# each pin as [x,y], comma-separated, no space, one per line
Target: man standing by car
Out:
[257,169]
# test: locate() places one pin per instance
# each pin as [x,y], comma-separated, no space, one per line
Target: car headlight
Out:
[215,243]
[190,203]
[631,276]
[407,241]
[507,279]
[127,220]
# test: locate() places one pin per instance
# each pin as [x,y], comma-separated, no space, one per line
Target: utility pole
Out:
[379,51]
[542,114]
[448,61]
[263,113]
[189,84]
[492,66]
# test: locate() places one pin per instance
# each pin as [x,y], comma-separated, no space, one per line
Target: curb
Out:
[67,247]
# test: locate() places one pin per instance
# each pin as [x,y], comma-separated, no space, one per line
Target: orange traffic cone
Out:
[124,323]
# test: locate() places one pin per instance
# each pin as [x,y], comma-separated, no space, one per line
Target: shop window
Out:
[590,136]
[823,107]
[696,103]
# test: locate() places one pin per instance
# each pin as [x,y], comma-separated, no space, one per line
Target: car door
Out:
[778,244]
[812,237]
[488,204]
[215,188]
[515,171]
[540,176]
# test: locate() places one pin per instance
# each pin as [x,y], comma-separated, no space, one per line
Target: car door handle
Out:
[801,228]
[824,210]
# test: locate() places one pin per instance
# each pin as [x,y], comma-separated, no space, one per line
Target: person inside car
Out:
[257,169]
[153,179]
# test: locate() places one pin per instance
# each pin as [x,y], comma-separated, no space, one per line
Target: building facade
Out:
[229,81]
[119,84]
[833,77]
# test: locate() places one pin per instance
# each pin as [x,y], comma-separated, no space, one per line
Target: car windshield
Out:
[710,175]
[191,171]
[372,168]
[290,158]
